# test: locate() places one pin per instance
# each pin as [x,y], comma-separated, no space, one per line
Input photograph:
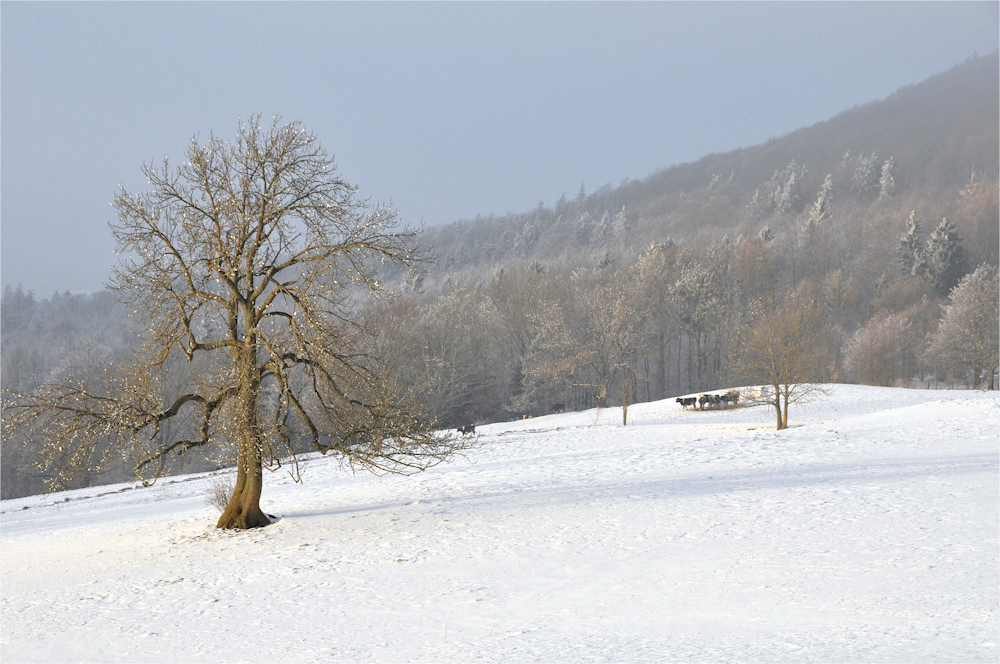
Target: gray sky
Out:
[449,110]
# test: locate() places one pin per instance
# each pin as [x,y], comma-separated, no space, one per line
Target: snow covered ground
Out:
[868,531]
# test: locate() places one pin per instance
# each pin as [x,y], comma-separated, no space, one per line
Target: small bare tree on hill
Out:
[244,260]
[780,346]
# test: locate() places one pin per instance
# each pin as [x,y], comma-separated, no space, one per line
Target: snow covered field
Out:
[868,531]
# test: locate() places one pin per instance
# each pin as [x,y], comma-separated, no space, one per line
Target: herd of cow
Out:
[710,400]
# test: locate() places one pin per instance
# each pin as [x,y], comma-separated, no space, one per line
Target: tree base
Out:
[236,519]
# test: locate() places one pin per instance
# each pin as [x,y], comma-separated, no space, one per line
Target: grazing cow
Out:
[467,430]
[704,399]
[734,397]
[558,408]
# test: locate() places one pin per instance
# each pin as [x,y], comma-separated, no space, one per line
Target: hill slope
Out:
[866,531]
[938,132]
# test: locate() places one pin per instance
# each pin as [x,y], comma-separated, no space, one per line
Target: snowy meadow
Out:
[867,531]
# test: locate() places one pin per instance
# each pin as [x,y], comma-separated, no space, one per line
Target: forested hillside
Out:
[881,223]
[937,136]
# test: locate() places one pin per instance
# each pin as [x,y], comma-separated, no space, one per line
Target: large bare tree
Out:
[248,261]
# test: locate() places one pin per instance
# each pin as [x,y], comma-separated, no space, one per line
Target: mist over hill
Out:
[940,134]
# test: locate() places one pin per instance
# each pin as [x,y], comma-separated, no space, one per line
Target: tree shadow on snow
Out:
[797,476]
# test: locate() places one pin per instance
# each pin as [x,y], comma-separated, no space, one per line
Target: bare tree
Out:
[515,294]
[247,260]
[701,296]
[876,354]
[780,346]
[595,335]
[658,268]
[444,349]
[968,336]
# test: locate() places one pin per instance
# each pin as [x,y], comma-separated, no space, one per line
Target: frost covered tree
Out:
[244,260]
[457,358]
[887,182]
[785,188]
[820,211]
[593,334]
[911,250]
[658,268]
[867,175]
[968,337]
[944,260]
[701,297]
[607,228]
[516,295]
[877,352]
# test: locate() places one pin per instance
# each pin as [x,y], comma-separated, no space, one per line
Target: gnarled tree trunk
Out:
[243,510]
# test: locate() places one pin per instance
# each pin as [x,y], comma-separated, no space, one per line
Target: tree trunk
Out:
[701,360]
[777,407]
[243,510]
[602,396]
[626,393]
[661,373]
[691,387]
[679,373]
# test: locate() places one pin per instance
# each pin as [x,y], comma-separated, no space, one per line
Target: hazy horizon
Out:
[447,110]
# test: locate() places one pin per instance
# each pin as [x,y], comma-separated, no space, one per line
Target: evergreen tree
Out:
[620,224]
[820,211]
[866,175]
[945,261]
[910,249]
[602,229]
[561,204]
[16,308]
[785,189]
[887,183]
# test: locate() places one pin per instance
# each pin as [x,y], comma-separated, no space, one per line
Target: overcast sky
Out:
[449,110]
